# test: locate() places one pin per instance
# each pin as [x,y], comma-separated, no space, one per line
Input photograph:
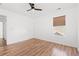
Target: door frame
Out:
[4,39]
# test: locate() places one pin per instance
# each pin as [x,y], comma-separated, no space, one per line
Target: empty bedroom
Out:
[39,29]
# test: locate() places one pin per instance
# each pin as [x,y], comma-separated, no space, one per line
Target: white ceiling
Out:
[46,7]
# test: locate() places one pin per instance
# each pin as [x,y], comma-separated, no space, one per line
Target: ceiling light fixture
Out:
[58,9]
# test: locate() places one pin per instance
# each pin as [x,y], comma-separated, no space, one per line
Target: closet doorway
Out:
[2,31]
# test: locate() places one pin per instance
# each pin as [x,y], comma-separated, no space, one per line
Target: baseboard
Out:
[9,43]
[46,40]
[57,42]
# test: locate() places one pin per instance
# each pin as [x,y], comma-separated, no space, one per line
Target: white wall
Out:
[78,25]
[19,27]
[44,28]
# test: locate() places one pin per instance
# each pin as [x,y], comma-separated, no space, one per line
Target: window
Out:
[59,21]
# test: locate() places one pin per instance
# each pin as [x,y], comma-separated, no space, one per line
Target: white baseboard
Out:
[58,42]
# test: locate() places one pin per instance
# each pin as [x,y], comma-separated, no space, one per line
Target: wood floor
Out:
[36,47]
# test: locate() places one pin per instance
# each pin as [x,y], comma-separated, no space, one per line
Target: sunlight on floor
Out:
[58,52]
